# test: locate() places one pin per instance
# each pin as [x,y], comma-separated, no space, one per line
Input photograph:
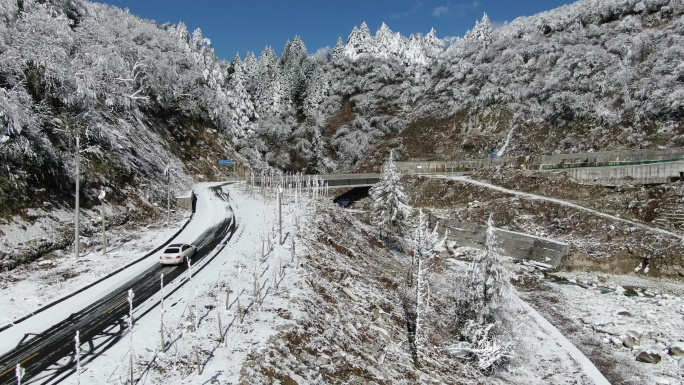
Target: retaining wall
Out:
[537,162]
[606,168]
[513,244]
[339,180]
[634,174]
[184,202]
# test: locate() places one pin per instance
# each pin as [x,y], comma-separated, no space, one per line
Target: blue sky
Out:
[242,26]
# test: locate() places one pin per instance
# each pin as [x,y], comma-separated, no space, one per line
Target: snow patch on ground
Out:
[656,313]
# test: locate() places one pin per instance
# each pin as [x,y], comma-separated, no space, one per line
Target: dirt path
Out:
[526,195]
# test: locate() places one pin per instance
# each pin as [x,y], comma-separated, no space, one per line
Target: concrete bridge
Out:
[350,180]
[341,180]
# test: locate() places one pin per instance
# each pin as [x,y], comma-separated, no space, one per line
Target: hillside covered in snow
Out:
[147,110]
[144,98]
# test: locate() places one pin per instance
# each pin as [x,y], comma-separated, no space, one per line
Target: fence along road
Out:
[38,353]
[608,168]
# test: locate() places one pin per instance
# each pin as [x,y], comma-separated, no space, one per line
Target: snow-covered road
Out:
[565,347]
[208,214]
[233,269]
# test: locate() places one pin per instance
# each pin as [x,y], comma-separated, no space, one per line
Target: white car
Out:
[177,253]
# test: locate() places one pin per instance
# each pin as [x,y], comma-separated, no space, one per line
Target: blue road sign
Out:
[226,162]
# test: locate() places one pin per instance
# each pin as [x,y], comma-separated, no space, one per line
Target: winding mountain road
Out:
[40,353]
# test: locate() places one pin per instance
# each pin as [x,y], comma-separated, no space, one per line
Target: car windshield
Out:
[171,251]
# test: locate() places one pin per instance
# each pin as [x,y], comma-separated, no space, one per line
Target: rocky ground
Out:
[640,228]
[639,240]
[354,330]
[630,327]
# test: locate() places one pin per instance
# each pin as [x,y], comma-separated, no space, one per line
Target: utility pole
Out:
[168,197]
[161,326]
[77,230]
[280,214]
[167,173]
[101,197]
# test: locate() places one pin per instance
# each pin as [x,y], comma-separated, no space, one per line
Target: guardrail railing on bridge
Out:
[340,180]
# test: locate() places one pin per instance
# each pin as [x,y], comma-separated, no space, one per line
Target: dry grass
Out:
[350,339]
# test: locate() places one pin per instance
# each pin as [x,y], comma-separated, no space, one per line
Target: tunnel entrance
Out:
[351,196]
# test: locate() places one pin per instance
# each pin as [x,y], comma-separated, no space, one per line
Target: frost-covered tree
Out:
[241,110]
[338,51]
[425,246]
[488,280]
[415,51]
[486,308]
[483,31]
[269,95]
[296,70]
[308,153]
[387,43]
[390,206]
[433,45]
[359,43]
[251,67]
[318,86]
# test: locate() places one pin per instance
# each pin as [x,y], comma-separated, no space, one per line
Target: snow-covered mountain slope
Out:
[330,305]
[141,98]
[331,310]
[592,75]
[619,230]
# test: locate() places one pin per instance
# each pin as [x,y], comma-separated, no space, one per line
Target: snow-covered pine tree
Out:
[318,85]
[387,43]
[242,110]
[484,329]
[433,45]
[483,31]
[360,42]
[488,279]
[414,55]
[390,206]
[338,51]
[250,66]
[295,68]
[268,88]
[426,245]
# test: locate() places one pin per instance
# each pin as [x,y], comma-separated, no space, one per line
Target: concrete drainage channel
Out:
[628,291]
